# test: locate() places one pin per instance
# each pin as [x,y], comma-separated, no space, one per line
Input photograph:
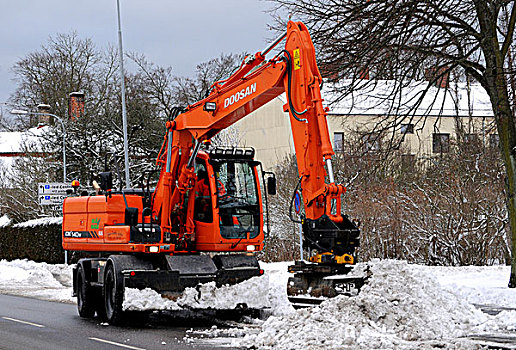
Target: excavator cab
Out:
[238,200]
[228,212]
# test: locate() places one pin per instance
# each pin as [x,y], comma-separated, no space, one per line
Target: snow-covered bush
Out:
[447,211]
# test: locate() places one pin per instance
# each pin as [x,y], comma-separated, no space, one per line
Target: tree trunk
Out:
[507,133]
[495,84]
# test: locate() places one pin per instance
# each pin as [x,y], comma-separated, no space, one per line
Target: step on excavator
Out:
[204,219]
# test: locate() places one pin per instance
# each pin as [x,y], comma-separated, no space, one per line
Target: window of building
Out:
[441,143]
[494,140]
[371,142]
[338,141]
[471,139]
[407,128]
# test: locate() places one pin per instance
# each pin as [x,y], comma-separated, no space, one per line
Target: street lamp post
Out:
[124,112]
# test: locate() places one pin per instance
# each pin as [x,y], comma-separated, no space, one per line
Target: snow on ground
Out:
[38,280]
[4,221]
[482,285]
[403,306]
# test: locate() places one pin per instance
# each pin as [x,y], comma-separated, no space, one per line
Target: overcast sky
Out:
[177,33]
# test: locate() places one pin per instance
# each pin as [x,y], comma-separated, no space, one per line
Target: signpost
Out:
[53,193]
[51,199]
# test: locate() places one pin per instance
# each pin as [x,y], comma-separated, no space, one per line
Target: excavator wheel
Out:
[85,295]
[113,295]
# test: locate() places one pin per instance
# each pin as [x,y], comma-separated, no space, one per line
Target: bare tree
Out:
[169,90]
[159,80]
[403,40]
[190,90]
[65,64]
[446,212]
[68,63]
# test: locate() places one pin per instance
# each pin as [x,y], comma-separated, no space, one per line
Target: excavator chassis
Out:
[314,283]
[99,283]
[190,270]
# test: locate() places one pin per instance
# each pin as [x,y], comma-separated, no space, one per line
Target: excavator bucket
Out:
[314,283]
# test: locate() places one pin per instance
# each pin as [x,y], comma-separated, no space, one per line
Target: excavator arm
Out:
[328,234]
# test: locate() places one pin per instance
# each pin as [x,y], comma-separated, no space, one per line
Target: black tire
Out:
[85,295]
[100,307]
[113,295]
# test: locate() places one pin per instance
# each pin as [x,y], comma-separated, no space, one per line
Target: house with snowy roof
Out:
[26,143]
[423,125]
[14,144]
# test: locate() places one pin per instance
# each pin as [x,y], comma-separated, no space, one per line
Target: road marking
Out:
[24,322]
[117,344]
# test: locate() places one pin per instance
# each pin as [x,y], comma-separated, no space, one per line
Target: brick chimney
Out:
[44,119]
[76,105]
[441,76]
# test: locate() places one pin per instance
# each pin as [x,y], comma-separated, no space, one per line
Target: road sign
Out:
[51,199]
[297,202]
[54,188]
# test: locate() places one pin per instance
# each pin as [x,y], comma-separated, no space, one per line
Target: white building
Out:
[423,126]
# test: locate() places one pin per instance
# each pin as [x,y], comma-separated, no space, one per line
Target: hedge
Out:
[38,240]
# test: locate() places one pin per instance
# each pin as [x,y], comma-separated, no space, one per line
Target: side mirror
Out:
[271,185]
[106,180]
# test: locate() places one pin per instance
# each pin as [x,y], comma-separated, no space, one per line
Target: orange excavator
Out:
[204,219]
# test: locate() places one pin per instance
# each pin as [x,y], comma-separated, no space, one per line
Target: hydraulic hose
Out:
[295,113]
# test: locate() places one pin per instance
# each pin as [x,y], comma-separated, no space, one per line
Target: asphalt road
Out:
[40,325]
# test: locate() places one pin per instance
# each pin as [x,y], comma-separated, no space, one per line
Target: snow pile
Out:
[403,306]
[39,280]
[278,276]
[41,222]
[505,321]
[265,292]
[4,221]
[399,307]
[146,299]
[252,292]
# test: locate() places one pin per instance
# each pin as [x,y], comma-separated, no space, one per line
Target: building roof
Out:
[11,143]
[384,97]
